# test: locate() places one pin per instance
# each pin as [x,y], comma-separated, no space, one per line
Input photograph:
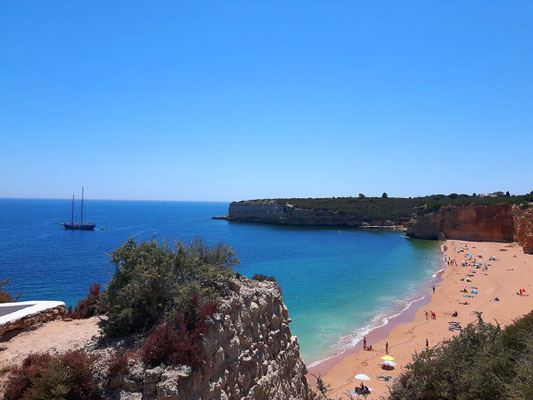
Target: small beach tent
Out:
[388,363]
[362,377]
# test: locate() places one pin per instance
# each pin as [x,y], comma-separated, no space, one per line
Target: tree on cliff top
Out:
[384,195]
[153,282]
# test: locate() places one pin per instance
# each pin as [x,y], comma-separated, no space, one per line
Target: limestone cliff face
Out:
[271,212]
[251,354]
[524,228]
[493,222]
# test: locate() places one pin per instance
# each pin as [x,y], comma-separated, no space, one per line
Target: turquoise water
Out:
[337,283]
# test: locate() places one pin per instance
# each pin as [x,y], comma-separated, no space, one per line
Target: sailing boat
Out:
[81,225]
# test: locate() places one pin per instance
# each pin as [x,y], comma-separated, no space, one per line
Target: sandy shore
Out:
[505,276]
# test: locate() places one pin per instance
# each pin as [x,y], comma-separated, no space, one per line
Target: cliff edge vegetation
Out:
[359,212]
[484,361]
[398,208]
[178,324]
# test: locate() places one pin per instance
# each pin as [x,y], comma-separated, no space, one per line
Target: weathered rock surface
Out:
[495,222]
[271,212]
[524,228]
[251,354]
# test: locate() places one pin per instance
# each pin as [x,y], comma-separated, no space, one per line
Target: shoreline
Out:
[375,334]
[396,227]
[407,332]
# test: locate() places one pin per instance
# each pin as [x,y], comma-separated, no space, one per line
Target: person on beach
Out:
[426,314]
[433,289]
[364,342]
[387,348]
[427,344]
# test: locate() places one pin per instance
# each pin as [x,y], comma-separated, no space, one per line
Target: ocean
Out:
[337,283]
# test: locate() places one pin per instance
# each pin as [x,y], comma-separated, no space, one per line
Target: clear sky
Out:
[231,100]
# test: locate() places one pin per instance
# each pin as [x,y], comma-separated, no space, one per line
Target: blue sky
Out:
[230,100]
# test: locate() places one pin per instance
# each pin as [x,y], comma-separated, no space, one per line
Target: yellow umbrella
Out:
[388,358]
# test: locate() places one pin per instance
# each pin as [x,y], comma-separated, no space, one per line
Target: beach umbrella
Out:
[362,377]
[387,358]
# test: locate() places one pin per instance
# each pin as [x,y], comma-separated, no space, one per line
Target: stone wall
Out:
[32,319]
[251,354]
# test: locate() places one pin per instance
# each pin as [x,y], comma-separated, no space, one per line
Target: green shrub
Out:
[263,277]
[153,282]
[482,362]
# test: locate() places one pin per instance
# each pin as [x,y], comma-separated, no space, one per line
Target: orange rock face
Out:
[523,220]
[493,222]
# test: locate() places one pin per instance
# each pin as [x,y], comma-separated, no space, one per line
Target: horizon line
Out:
[101,199]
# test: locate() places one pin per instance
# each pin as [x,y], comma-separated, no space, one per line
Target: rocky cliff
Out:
[272,212]
[250,350]
[524,228]
[495,222]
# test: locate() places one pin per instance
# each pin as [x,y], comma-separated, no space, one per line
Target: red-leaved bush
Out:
[118,362]
[86,308]
[180,341]
[66,376]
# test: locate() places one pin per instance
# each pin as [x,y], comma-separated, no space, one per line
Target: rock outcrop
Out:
[251,354]
[523,220]
[494,222]
[272,212]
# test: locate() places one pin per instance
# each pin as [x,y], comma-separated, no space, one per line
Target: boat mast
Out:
[73,209]
[81,206]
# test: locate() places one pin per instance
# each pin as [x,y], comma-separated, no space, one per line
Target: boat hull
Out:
[78,227]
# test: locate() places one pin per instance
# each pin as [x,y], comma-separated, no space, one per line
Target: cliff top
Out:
[395,208]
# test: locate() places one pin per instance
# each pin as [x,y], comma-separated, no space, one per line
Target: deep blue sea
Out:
[337,283]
